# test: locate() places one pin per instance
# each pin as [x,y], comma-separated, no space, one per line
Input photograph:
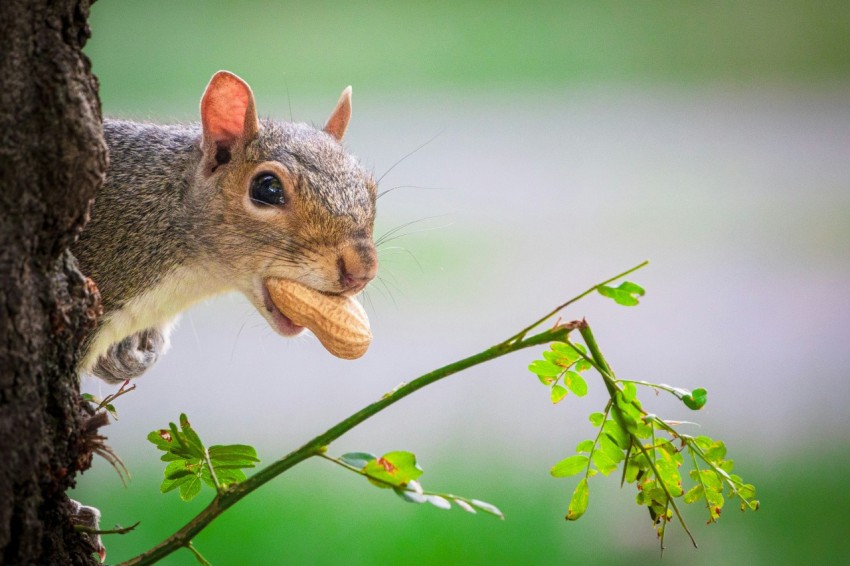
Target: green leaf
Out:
[161,439]
[557,393]
[604,463]
[357,459]
[632,288]
[643,430]
[631,408]
[614,452]
[696,399]
[621,296]
[582,365]
[180,468]
[393,469]
[543,368]
[694,494]
[629,391]
[89,397]
[632,471]
[187,460]
[715,503]
[747,491]
[557,359]
[180,446]
[110,408]
[669,474]
[596,419]
[584,446]
[168,485]
[627,414]
[708,478]
[233,455]
[191,436]
[576,383]
[654,493]
[716,452]
[615,431]
[578,502]
[570,466]
[567,351]
[230,476]
[190,489]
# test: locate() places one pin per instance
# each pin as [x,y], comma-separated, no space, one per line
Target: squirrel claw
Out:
[132,356]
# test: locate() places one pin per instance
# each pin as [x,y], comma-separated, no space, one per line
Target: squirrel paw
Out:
[89,519]
[132,356]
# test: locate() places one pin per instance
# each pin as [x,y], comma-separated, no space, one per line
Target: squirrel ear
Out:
[228,114]
[338,121]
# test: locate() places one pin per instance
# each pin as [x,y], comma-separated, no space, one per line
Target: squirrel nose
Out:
[357,266]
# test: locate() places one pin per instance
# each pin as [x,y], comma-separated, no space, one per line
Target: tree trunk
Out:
[52,160]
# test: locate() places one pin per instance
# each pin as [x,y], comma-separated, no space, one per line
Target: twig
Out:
[318,445]
[521,334]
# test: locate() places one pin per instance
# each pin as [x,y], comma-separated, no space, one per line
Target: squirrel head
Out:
[283,200]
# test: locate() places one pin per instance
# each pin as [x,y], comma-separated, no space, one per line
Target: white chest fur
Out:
[157,307]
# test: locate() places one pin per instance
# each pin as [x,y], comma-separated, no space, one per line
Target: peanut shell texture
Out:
[339,322]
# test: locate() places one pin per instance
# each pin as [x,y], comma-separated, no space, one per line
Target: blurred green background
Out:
[568,142]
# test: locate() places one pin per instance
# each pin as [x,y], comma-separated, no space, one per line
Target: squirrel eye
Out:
[266,189]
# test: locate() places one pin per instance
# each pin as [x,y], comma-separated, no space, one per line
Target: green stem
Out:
[211,469]
[319,444]
[613,389]
[670,500]
[406,487]
[599,359]
[521,334]
[704,490]
[198,556]
[672,390]
[724,477]
[664,526]
[596,440]
[115,531]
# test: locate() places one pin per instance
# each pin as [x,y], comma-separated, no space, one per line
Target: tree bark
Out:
[52,160]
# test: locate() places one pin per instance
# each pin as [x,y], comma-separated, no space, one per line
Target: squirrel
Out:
[191,211]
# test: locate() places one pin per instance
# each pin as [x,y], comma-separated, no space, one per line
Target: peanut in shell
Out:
[340,323]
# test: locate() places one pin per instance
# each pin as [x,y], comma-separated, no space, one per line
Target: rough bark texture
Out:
[52,159]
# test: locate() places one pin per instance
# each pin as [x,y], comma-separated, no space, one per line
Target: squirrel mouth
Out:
[280,321]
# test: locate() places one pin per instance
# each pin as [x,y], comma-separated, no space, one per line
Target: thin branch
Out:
[198,556]
[211,468]
[521,334]
[115,531]
[319,444]
[608,377]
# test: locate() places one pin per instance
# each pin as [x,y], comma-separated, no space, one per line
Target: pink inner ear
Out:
[223,108]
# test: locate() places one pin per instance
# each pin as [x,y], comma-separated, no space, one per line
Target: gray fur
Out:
[160,210]
[89,518]
[132,356]
[142,223]
[322,163]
